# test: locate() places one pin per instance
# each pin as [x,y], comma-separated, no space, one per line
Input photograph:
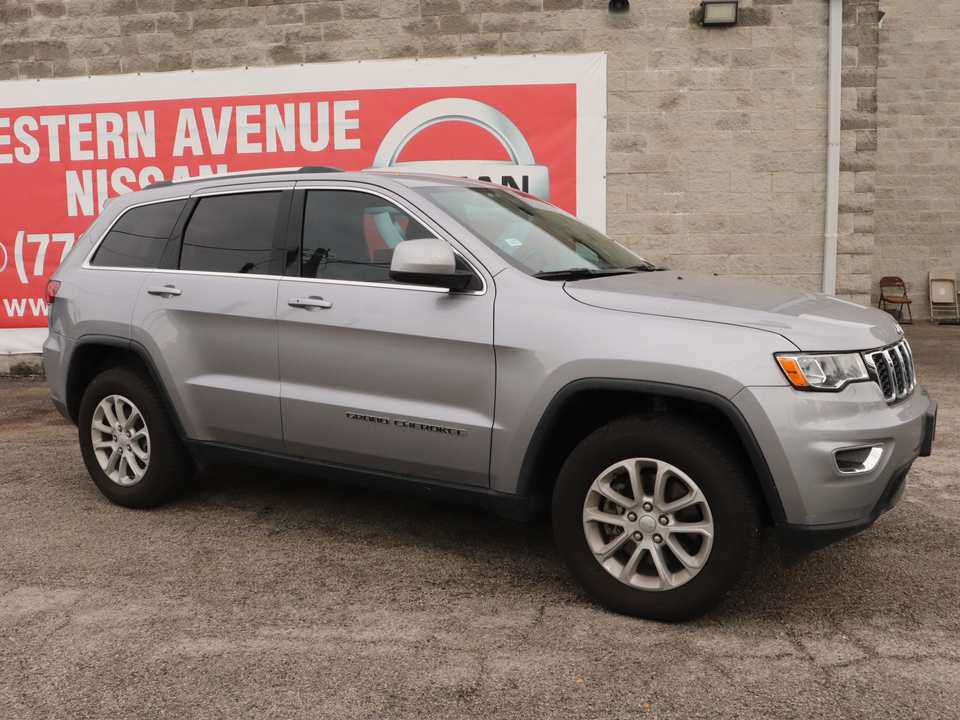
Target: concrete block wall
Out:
[858,146]
[21,365]
[918,160]
[716,137]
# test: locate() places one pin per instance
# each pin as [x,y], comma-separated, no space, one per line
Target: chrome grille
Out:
[893,370]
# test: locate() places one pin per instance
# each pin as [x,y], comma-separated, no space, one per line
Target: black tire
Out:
[730,505]
[167,466]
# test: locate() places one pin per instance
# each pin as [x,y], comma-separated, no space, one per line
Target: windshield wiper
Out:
[582,273]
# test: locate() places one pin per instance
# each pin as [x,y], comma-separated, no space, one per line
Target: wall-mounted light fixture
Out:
[719,12]
[618,7]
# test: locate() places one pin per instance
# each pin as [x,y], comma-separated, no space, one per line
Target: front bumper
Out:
[799,433]
[798,541]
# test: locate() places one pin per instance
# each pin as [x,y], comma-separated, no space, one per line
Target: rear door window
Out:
[231,233]
[138,238]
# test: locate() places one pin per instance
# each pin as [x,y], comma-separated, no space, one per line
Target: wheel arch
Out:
[93,354]
[585,405]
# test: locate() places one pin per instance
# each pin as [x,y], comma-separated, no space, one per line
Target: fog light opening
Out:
[857,460]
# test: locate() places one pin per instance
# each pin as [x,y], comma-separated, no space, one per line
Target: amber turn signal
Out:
[792,370]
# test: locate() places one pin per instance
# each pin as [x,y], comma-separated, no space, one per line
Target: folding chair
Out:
[894,291]
[943,294]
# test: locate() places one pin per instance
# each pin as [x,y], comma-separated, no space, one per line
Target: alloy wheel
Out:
[648,524]
[121,440]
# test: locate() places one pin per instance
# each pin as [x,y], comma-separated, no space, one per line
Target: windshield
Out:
[533,236]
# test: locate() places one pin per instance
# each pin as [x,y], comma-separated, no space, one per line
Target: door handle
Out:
[165,291]
[310,303]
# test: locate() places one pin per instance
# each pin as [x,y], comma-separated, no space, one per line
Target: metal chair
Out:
[943,294]
[894,291]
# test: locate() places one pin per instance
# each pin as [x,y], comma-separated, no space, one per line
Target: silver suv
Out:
[461,340]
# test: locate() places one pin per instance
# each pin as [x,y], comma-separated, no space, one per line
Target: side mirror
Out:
[428,262]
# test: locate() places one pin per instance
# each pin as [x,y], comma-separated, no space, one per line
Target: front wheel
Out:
[128,440]
[656,517]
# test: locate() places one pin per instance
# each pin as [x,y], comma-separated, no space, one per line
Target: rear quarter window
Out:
[138,238]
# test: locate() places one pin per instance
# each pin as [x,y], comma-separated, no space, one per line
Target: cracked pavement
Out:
[264,595]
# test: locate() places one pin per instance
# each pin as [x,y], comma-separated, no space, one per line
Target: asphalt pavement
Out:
[259,595]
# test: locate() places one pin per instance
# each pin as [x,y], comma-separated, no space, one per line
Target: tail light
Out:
[50,294]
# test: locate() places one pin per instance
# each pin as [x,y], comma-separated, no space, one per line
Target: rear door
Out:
[209,318]
[377,374]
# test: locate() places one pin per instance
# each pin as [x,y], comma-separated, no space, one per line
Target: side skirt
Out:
[505,505]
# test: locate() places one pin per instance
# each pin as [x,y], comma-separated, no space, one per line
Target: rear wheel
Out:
[128,440]
[656,517]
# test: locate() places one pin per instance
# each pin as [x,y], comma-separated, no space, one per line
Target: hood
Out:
[811,321]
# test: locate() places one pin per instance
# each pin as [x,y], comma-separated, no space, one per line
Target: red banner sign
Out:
[59,163]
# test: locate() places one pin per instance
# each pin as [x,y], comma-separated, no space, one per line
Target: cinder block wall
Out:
[858,149]
[918,158]
[716,138]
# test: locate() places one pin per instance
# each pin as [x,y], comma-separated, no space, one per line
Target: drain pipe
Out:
[833,148]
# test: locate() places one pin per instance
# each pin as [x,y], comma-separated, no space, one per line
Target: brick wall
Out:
[918,163]
[716,138]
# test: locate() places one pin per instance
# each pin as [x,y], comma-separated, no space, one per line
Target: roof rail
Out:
[264,171]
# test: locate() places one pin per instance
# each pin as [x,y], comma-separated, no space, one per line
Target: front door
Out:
[377,374]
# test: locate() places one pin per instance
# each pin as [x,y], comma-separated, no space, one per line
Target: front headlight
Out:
[822,372]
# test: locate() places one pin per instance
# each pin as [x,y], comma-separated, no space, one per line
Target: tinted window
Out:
[351,235]
[231,233]
[138,238]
